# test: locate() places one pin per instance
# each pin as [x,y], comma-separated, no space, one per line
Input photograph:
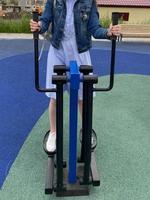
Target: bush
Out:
[146,21]
[105,22]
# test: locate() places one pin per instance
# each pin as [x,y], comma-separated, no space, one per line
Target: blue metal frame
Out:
[74,87]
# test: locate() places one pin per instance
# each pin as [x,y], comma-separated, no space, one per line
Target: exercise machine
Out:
[75,177]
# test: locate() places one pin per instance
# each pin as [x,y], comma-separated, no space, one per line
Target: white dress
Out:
[67,52]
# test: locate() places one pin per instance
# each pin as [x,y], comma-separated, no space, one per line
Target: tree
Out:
[3,2]
[14,2]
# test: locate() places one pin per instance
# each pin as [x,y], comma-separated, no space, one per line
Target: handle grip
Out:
[35,16]
[115,18]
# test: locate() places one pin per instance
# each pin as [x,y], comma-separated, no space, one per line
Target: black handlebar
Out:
[115,17]
[36,58]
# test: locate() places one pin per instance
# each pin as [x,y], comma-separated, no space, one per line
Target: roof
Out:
[124,3]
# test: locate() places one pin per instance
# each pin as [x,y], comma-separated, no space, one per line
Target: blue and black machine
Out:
[75,177]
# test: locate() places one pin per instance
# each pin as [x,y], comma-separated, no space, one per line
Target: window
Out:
[124,16]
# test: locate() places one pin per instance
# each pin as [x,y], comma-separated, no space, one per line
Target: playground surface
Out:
[121,120]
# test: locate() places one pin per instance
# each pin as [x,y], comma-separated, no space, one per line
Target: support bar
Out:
[50,176]
[73,116]
[59,137]
[59,79]
[94,171]
[90,78]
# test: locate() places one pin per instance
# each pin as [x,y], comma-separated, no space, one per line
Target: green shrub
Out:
[105,22]
[146,21]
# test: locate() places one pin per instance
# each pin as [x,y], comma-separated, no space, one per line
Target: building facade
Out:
[131,11]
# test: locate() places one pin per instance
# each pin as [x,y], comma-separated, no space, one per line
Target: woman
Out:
[73,24]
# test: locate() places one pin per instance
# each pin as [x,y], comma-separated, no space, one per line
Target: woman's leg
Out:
[52,115]
[51,142]
[55,57]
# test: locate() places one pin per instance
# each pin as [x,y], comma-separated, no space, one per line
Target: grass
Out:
[15,25]
[22,25]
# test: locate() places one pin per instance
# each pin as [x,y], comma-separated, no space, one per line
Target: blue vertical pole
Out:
[74,86]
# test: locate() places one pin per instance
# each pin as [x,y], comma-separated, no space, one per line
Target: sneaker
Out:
[51,142]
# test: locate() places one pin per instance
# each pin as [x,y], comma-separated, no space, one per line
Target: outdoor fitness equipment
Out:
[75,179]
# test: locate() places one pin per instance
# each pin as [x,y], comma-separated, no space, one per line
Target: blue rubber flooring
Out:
[21,105]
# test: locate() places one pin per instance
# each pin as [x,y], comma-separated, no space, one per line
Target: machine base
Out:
[73,189]
[77,189]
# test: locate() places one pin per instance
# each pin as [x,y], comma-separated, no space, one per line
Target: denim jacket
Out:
[86,22]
